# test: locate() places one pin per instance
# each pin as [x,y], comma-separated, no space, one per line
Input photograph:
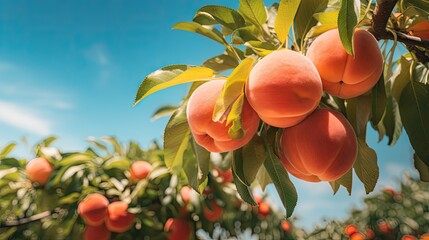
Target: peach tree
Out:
[295,90]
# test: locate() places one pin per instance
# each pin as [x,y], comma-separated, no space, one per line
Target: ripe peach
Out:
[214,136]
[357,236]
[264,209]
[343,75]
[119,219]
[285,225]
[424,236]
[408,237]
[284,88]
[421,30]
[384,227]
[99,232]
[185,194]
[93,209]
[39,170]
[140,170]
[350,229]
[178,229]
[225,176]
[369,234]
[214,213]
[323,147]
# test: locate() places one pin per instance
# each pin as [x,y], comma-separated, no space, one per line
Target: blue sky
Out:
[72,68]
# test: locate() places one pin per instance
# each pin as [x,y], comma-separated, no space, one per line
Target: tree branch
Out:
[22,221]
[380,18]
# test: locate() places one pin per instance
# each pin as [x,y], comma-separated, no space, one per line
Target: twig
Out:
[22,221]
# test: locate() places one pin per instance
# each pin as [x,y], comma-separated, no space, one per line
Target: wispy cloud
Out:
[22,118]
[97,53]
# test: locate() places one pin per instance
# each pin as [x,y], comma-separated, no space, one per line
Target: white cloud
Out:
[21,118]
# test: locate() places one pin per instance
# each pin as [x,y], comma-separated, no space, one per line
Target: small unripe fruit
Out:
[350,229]
[343,75]
[39,170]
[140,170]
[93,209]
[99,232]
[213,214]
[323,147]
[119,219]
[284,88]
[211,135]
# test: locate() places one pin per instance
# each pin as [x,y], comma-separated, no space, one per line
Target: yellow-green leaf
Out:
[285,15]
[213,33]
[327,18]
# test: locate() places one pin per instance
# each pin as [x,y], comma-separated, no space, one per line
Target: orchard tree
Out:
[295,90]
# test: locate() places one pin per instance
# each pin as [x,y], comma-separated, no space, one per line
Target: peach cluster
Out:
[102,218]
[284,89]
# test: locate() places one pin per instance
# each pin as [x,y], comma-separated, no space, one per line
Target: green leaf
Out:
[203,159]
[401,78]
[170,76]
[304,20]
[223,15]
[358,112]
[421,73]
[345,181]
[114,142]
[284,20]
[74,159]
[221,63]
[261,48]
[163,111]
[69,199]
[6,150]
[190,166]
[378,101]
[392,119]
[414,109]
[176,140]
[318,30]
[244,34]
[253,11]
[229,103]
[422,168]
[200,29]
[327,18]
[366,166]
[280,177]
[348,18]
[253,158]
[263,177]
[10,162]
[118,163]
[243,189]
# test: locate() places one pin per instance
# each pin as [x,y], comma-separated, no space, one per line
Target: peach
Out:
[357,236]
[226,176]
[178,229]
[185,194]
[408,237]
[370,234]
[264,209]
[421,30]
[284,88]
[214,213]
[39,170]
[384,227]
[140,170]
[99,232]
[285,225]
[350,229]
[211,135]
[93,209]
[343,75]
[323,147]
[424,236]
[119,219]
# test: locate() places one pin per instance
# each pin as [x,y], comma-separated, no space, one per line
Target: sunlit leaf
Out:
[327,18]
[221,63]
[164,111]
[346,181]
[304,20]
[6,150]
[253,11]
[366,166]
[285,15]
[223,15]
[348,18]
[200,29]
[261,48]
[263,177]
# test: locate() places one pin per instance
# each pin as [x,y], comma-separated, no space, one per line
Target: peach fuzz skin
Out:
[343,75]
[140,170]
[323,147]
[96,232]
[211,135]
[93,209]
[284,88]
[119,219]
[39,170]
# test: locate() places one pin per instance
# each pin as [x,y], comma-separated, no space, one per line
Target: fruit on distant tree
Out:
[39,170]
[285,225]
[350,229]
[140,170]
[384,227]
[225,176]
[323,147]
[284,88]
[370,234]
[119,219]
[343,75]
[357,236]
[93,209]
[408,237]
[177,229]
[211,135]
[99,232]
[214,213]
[264,209]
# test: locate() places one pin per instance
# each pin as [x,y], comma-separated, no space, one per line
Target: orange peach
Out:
[343,75]
[119,219]
[350,229]
[357,236]
[264,209]
[39,170]
[211,135]
[178,229]
[421,30]
[284,88]
[93,209]
[99,232]
[185,194]
[408,237]
[323,147]
[424,236]
[285,225]
[214,213]
[140,170]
